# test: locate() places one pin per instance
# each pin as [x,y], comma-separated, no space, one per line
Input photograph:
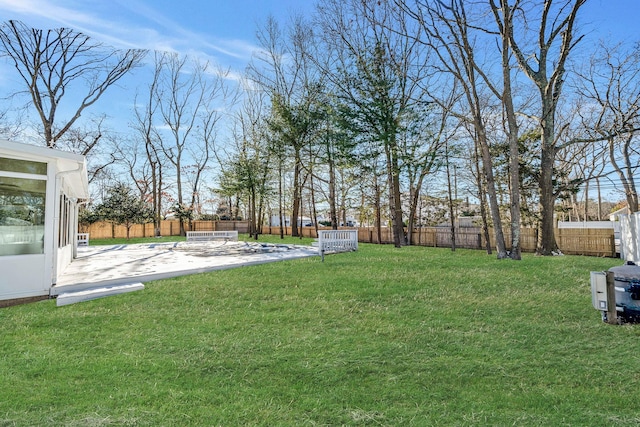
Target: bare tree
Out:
[184,95]
[218,97]
[544,63]
[10,126]
[422,154]
[377,73]
[283,69]
[54,64]
[449,35]
[145,113]
[610,84]
[248,171]
[94,140]
[503,15]
[334,147]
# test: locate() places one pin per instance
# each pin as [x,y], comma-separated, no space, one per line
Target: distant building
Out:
[304,221]
[613,216]
[275,221]
[40,190]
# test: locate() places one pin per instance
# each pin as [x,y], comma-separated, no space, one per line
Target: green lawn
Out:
[416,336]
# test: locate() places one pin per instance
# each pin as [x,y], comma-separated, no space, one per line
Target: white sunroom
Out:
[40,191]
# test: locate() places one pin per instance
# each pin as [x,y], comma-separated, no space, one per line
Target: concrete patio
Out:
[100,266]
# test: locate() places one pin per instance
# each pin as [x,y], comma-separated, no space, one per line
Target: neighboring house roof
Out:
[621,211]
[66,163]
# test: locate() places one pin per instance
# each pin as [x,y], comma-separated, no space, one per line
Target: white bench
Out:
[83,239]
[195,236]
[333,241]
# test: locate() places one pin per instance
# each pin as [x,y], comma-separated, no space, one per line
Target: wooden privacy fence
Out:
[590,241]
[106,230]
[572,241]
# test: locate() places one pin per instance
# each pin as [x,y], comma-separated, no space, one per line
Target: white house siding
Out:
[30,256]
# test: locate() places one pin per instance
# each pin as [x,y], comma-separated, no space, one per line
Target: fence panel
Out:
[528,239]
[239,226]
[99,230]
[586,241]
[370,235]
[106,230]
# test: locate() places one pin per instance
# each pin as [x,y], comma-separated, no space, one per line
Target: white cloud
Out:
[44,9]
[125,24]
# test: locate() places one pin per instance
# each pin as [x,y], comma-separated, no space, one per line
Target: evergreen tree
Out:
[123,207]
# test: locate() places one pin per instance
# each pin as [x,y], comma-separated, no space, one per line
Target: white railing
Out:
[193,236]
[332,241]
[83,239]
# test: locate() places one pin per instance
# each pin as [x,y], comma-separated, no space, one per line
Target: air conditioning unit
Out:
[626,290]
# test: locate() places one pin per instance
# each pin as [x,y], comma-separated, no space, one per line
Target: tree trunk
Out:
[154,200]
[178,164]
[159,206]
[411,217]
[599,200]
[280,201]
[512,126]
[295,209]
[494,207]
[535,67]
[333,215]
[260,217]
[253,227]
[395,201]
[313,212]
[586,201]
[546,238]
[377,207]
[483,201]
[451,209]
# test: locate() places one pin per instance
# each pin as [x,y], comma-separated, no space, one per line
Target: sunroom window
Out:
[22,206]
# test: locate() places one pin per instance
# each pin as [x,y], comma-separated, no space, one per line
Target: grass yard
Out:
[416,336]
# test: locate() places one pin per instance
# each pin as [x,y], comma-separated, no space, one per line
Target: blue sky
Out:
[224,30]
[221,32]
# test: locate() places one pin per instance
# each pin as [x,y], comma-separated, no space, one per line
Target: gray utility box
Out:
[627,291]
[599,290]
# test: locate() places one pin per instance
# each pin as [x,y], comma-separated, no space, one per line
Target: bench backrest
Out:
[337,240]
[212,235]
